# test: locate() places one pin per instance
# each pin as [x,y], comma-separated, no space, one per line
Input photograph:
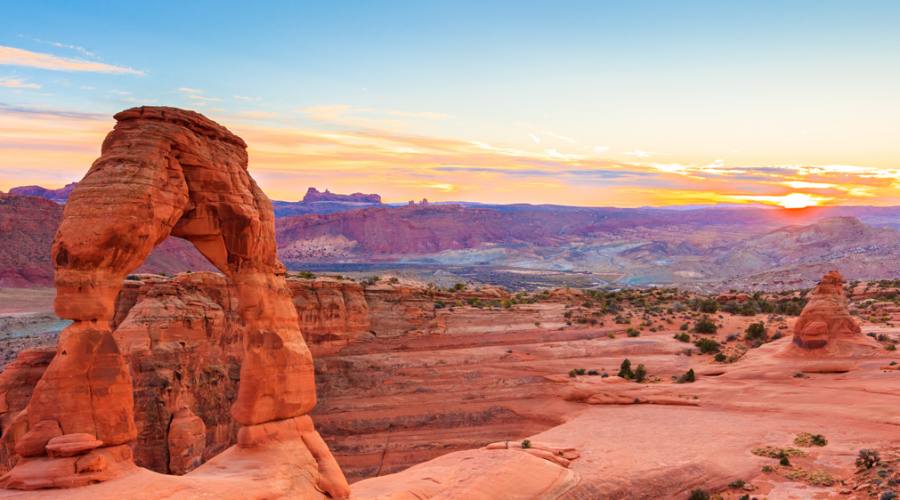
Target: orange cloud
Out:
[18,83]
[12,56]
[47,147]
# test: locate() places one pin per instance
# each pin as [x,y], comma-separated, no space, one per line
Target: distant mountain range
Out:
[709,247]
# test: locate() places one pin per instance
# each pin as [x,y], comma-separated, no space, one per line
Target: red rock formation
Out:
[17,383]
[332,313]
[182,339]
[27,227]
[163,172]
[825,320]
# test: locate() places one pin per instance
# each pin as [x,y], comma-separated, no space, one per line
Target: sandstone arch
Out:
[165,171]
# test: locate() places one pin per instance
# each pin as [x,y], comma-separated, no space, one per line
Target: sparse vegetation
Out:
[807,440]
[640,373]
[526,444]
[705,325]
[756,334]
[699,495]
[737,484]
[775,452]
[867,458]
[707,346]
[625,370]
[687,377]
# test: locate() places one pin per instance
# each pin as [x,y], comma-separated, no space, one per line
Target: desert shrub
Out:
[705,325]
[891,347]
[707,306]
[807,440]
[737,484]
[458,287]
[707,346]
[526,444]
[682,337]
[768,468]
[593,372]
[756,333]
[394,280]
[784,461]
[631,332]
[687,377]
[625,370]
[699,495]
[580,371]
[868,458]
[721,357]
[439,304]
[684,327]
[306,275]
[640,373]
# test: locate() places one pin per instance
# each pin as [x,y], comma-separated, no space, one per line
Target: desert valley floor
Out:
[474,391]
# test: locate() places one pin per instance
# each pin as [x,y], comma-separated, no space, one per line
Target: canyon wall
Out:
[181,339]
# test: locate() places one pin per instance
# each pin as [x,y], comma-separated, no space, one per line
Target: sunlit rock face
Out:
[825,319]
[162,171]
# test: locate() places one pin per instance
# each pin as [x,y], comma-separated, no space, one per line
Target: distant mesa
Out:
[313,195]
[60,195]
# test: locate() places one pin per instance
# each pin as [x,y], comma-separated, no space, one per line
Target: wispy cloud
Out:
[77,48]
[197,97]
[12,56]
[18,83]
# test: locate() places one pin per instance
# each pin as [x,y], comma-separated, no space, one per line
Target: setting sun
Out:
[798,200]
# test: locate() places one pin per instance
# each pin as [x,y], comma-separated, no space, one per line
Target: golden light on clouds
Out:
[52,148]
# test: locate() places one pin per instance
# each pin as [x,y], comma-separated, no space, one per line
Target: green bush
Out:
[625,370]
[707,346]
[682,337]
[720,357]
[699,495]
[640,373]
[737,484]
[526,444]
[687,377]
[705,325]
[756,333]
[708,306]
[631,332]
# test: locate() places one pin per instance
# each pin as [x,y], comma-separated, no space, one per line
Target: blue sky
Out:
[688,97]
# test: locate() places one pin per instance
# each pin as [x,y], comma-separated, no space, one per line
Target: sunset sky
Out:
[626,103]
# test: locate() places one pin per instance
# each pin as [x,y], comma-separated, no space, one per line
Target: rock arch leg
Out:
[83,404]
